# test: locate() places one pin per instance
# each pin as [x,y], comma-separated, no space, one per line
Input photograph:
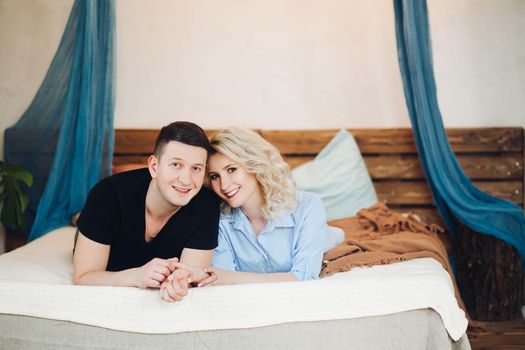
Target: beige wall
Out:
[30,31]
[279,63]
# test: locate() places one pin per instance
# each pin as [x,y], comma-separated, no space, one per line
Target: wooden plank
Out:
[510,190]
[135,141]
[506,166]
[497,335]
[130,159]
[418,193]
[140,141]
[391,141]
[294,161]
[486,139]
[474,140]
[299,141]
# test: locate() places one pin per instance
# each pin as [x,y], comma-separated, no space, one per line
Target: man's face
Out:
[179,172]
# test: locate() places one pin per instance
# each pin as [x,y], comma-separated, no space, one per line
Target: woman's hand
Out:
[195,274]
[176,288]
[217,277]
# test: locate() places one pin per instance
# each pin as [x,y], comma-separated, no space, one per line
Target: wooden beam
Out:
[391,141]
[506,166]
[142,141]
[418,193]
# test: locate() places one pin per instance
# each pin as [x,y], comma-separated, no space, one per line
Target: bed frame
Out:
[492,157]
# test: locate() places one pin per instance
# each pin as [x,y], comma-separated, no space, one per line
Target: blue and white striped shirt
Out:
[292,243]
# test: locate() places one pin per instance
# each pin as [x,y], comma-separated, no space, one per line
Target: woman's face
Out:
[231,182]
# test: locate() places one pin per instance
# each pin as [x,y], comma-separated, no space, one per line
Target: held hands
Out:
[173,277]
[156,272]
[195,274]
[176,287]
[202,277]
[153,273]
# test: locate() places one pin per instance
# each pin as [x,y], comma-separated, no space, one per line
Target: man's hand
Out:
[152,274]
[176,288]
[195,274]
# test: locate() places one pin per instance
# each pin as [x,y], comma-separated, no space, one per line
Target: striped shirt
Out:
[292,243]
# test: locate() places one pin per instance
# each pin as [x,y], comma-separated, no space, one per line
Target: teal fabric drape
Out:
[454,194]
[66,134]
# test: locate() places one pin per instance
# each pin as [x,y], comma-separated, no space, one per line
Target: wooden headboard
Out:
[492,157]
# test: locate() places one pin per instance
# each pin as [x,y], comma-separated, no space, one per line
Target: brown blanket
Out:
[378,235]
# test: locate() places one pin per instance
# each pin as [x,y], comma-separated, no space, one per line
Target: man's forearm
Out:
[125,278]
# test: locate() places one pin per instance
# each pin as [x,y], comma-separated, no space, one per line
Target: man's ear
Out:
[153,163]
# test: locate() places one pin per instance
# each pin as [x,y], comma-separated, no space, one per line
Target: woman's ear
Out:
[153,163]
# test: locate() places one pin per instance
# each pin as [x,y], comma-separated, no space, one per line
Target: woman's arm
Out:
[307,253]
[221,277]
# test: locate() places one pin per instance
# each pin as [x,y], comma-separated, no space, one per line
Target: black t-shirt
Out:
[114,214]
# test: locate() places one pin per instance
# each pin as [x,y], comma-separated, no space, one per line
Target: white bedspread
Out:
[35,280]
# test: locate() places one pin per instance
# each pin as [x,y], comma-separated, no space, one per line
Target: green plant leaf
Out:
[21,198]
[14,200]
[18,173]
[10,215]
[24,201]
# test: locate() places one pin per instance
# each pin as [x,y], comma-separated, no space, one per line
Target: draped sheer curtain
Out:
[65,137]
[454,194]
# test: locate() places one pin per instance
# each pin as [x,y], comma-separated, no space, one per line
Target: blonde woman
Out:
[268,231]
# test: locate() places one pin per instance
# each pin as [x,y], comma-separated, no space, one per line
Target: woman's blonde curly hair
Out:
[257,156]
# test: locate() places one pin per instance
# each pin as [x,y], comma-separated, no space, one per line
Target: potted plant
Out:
[13,200]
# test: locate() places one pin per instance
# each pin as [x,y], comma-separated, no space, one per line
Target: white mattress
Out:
[35,280]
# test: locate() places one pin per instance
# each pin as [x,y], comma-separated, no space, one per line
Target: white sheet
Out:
[35,280]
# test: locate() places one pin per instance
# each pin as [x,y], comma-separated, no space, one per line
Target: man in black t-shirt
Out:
[136,225]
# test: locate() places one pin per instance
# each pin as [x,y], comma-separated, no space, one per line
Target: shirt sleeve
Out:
[223,257]
[307,254]
[100,213]
[205,235]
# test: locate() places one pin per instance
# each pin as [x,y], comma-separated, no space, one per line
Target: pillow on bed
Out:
[339,176]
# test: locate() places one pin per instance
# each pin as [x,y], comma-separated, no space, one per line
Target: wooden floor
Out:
[508,335]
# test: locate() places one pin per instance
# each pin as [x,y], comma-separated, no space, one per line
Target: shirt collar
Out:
[238,219]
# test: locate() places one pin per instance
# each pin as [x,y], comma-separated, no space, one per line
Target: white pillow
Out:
[339,176]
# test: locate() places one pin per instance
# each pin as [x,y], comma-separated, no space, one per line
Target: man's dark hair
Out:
[183,132]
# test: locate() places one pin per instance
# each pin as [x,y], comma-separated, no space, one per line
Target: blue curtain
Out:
[454,194]
[66,134]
